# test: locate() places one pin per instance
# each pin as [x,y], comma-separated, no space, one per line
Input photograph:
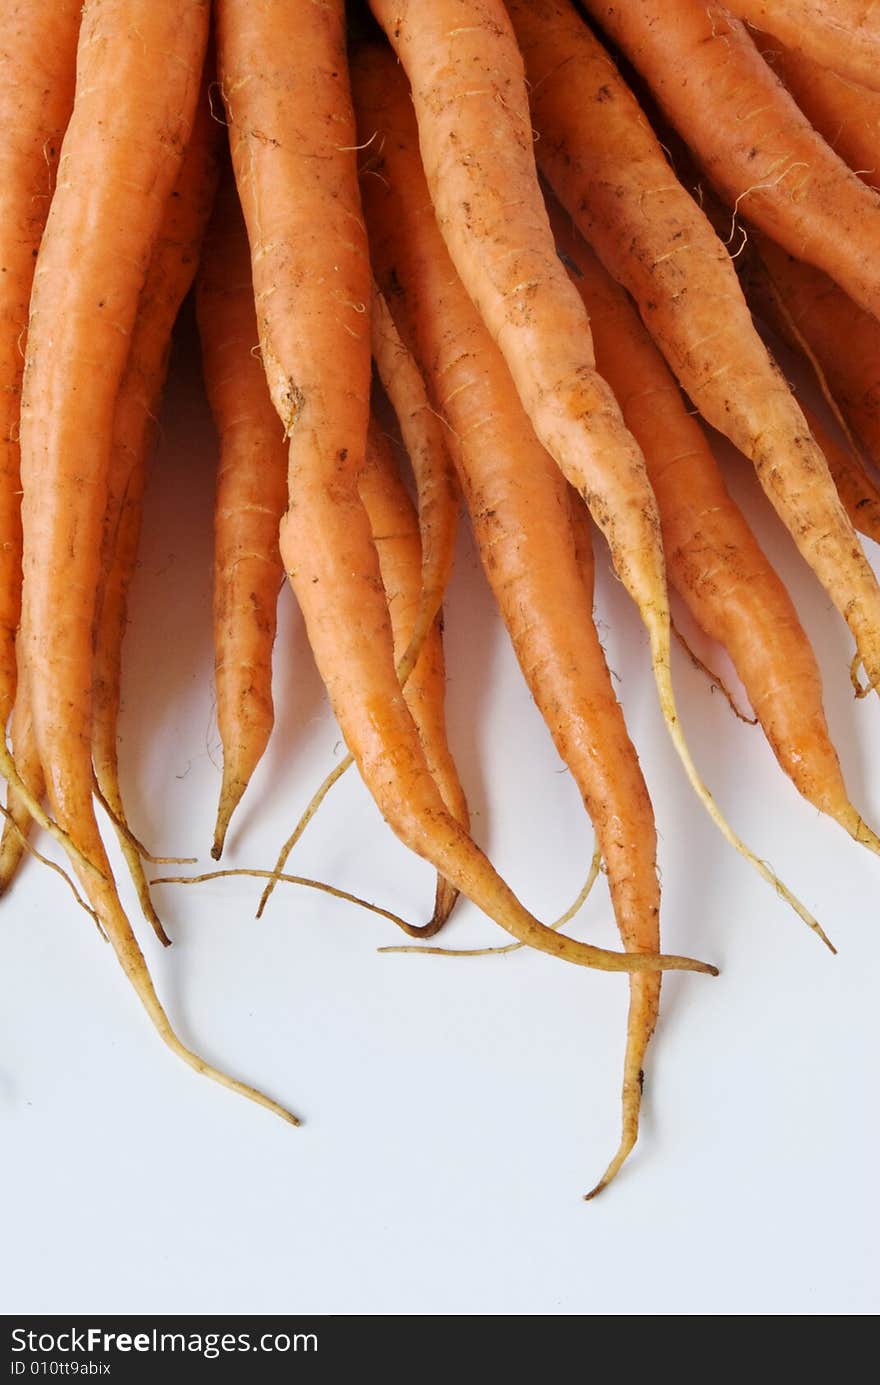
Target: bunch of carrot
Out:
[356,200]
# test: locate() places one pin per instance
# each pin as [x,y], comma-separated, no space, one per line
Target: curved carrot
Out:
[605,165]
[297,178]
[714,560]
[395,526]
[841,34]
[118,164]
[424,438]
[753,141]
[535,551]
[251,498]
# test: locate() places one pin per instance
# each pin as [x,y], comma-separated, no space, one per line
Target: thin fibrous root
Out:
[41,818]
[624,1150]
[574,908]
[712,676]
[59,870]
[314,804]
[276,877]
[663,677]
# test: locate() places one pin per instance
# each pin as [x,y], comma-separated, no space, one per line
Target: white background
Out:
[455,1110]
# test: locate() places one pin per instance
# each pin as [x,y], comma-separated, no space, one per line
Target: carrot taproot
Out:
[422,432]
[170,274]
[843,35]
[603,161]
[436,490]
[469,92]
[396,533]
[118,164]
[296,171]
[538,565]
[713,558]
[250,500]
[846,114]
[37,68]
[860,496]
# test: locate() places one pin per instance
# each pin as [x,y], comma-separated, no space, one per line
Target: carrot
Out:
[538,565]
[606,167]
[846,114]
[251,497]
[395,527]
[297,178]
[860,496]
[18,822]
[422,431]
[437,492]
[494,222]
[754,143]
[809,311]
[118,164]
[841,34]
[168,280]
[37,67]
[714,560]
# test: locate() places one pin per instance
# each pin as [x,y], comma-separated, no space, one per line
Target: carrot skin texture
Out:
[845,114]
[37,67]
[601,158]
[536,553]
[250,501]
[767,161]
[823,316]
[714,560]
[843,35]
[507,263]
[326,541]
[27,759]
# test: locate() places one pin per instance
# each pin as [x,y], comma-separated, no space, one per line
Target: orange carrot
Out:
[843,35]
[469,93]
[809,311]
[424,437]
[39,37]
[860,496]
[714,560]
[172,267]
[251,497]
[396,534]
[846,114]
[539,569]
[754,143]
[604,163]
[297,178]
[118,164]
[423,434]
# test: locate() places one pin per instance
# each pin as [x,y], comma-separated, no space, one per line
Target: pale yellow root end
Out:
[663,676]
[109,795]
[625,1149]
[12,776]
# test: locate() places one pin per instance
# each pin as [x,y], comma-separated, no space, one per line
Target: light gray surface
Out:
[455,1110]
